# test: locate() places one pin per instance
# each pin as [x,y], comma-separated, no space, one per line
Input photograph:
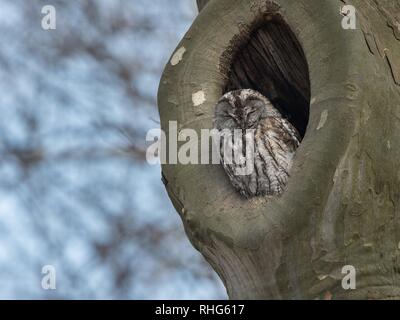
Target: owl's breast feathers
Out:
[275,143]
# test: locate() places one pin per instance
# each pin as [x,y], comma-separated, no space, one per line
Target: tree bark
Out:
[341,204]
[201,4]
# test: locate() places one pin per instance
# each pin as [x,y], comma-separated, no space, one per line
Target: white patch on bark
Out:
[178,56]
[198,98]
[397,25]
[322,120]
[312,101]
[388,144]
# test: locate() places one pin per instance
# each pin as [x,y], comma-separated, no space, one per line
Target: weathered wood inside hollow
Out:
[273,63]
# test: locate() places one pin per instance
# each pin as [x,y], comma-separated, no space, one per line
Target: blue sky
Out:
[73,194]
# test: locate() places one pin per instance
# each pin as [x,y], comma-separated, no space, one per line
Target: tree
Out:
[341,205]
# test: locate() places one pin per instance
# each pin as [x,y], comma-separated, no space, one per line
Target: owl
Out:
[243,118]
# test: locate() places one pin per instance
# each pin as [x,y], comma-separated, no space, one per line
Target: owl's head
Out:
[242,109]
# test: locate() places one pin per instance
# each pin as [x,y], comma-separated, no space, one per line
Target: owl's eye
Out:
[252,117]
[252,99]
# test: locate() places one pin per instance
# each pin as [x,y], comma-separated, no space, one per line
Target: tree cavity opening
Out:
[270,59]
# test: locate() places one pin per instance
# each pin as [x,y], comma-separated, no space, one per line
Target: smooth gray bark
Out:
[201,4]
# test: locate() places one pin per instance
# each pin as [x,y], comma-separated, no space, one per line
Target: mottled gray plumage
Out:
[275,141]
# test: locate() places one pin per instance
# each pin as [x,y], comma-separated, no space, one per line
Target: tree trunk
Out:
[341,204]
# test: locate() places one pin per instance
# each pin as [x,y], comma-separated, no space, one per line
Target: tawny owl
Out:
[275,142]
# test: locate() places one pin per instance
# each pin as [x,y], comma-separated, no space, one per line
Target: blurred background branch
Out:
[75,189]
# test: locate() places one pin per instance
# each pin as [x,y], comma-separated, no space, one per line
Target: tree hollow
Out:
[271,60]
